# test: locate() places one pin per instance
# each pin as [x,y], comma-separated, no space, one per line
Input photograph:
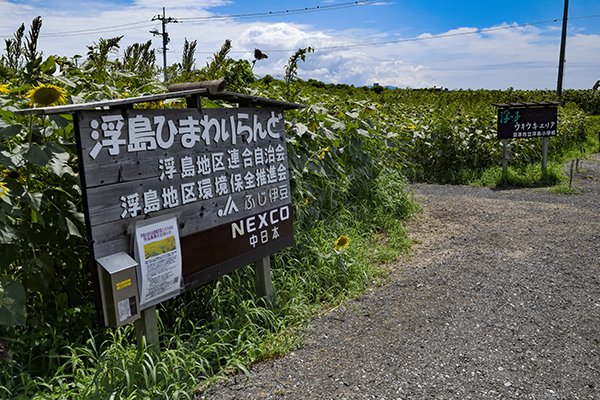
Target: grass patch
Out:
[527,176]
[531,175]
[222,327]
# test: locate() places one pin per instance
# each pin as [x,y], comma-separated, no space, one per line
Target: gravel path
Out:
[500,300]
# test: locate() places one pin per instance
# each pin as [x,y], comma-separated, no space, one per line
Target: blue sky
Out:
[483,44]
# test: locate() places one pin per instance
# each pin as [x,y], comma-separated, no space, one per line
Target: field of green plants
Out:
[352,151]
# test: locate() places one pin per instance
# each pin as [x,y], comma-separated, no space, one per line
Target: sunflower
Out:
[341,243]
[4,89]
[47,94]
[323,153]
[4,191]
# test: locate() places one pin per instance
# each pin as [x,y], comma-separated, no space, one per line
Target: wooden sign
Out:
[526,122]
[222,172]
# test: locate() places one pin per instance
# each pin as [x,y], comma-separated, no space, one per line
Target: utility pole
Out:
[165,37]
[563,45]
[559,84]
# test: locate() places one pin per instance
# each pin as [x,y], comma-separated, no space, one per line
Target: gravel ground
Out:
[500,300]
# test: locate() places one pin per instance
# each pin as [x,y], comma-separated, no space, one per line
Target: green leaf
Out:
[66,82]
[339,125]
[363,132]
[9,131]
[10,253]
[6,116]
[36,155]
[49,66]
[34,216]
[13,299]
[6,160]
[73,231]
[35,200]
[301,129]
[59,161]
[8,235]
[60,120]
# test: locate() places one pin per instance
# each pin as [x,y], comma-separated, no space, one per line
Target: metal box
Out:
[119,289]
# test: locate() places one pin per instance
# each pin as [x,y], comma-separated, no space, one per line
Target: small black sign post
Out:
[527,120]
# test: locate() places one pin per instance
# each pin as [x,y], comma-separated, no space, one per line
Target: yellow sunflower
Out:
[4,89]
[46,94]
[341,243]
[4,191]
[323,153]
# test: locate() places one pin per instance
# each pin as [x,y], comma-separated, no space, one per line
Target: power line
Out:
[586,16]
[305,10]
[105,29]
[143,24]
[415,39]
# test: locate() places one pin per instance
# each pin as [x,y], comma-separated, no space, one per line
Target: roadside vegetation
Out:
[352,153]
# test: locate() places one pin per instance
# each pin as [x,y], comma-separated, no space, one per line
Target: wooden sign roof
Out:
[209,89]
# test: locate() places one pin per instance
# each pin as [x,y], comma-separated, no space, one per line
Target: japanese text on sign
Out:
[527,122]
[150,133]
[230,162]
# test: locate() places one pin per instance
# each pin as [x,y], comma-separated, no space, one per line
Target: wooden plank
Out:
[254,100]
[198,270]
[114,235]
[213,246]
[109,180]
[70,108]
[126,155]
[106,204]
[203,91]
[103,168]
[235,262]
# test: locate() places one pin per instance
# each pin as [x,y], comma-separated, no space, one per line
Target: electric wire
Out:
[408,40]
[414,39]
[305,10]
[146,23]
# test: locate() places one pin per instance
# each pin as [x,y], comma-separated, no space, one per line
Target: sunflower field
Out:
[353,152]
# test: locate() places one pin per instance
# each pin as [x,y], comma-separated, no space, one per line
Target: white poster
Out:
[159,256]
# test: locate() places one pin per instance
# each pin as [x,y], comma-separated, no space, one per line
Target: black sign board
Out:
[518,121]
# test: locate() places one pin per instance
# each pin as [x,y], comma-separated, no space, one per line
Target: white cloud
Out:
[521,57]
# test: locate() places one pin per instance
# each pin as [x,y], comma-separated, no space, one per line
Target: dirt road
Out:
[500,300]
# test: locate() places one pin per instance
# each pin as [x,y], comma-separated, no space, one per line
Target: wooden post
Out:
[545,141]
[504,157]
[147,326]
[264,283]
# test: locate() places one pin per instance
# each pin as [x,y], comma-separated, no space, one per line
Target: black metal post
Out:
[165,40]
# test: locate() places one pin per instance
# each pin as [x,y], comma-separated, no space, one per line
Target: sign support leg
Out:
[545,141]
[147,326]
[264,283]
[504,157]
